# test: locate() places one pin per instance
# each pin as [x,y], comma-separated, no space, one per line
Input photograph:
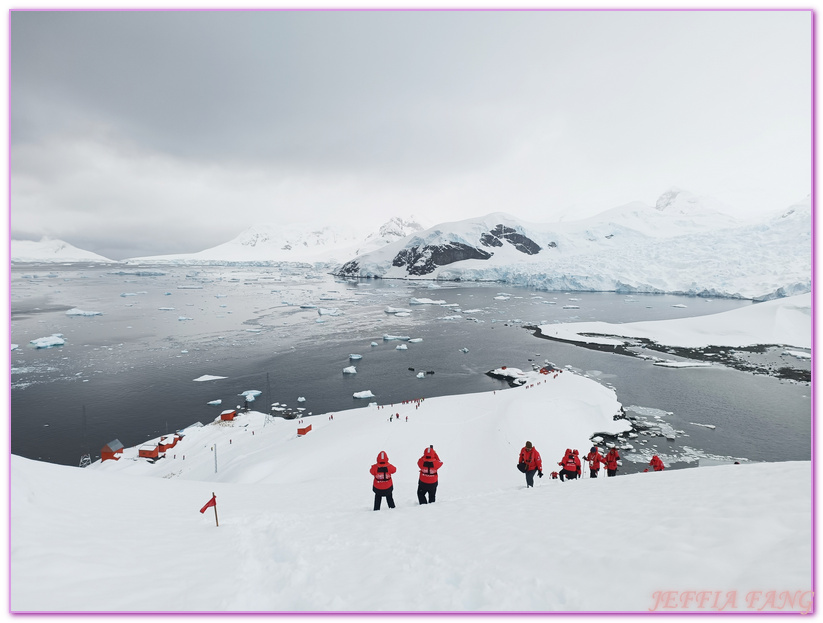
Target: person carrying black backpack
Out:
[429,463]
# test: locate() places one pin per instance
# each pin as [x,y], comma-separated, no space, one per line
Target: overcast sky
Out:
[147,132]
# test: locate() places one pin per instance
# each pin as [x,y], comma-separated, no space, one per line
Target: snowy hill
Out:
[681,245]
[51,250]
[297,531]
[304,242]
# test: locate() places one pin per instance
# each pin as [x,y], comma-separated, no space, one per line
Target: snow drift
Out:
[297,532]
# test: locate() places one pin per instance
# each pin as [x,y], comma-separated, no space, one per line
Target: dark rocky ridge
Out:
[425,260]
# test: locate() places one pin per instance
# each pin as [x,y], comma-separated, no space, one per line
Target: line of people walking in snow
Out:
[529,462]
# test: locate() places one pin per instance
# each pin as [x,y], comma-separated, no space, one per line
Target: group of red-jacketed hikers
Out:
[529,463]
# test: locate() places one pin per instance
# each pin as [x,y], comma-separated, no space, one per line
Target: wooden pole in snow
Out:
[216,523]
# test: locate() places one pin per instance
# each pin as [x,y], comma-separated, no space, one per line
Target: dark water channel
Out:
[129,372]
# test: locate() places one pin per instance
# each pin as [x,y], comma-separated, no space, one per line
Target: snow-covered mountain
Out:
[680,245]
[302,242]
[51,250]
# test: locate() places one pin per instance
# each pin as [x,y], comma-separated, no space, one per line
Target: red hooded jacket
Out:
[570,463]
[595,459]
[611,459]
[429,474]
[531,458]
[382,478]
[657,463]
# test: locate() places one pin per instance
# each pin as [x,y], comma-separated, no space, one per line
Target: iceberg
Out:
[56,339]
[79,312]
[350,370]
[364,394]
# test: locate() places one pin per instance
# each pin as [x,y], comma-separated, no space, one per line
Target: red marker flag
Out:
[211,502]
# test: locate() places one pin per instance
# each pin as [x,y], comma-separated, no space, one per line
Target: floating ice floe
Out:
[79,312]
[363,394]
[55,339]
[329,311]
[401,347]
[415,340]
[308,306]
[189,287]
[712,426]
[423,301]
[464,350]
[301,399]
[250,394]
[421,375]
[215,402]
[454,317]
[682,364]
[679,305]
[374,344]
[388,338]
[571,306]
[402,315]
[15,346]
[354,357]
[181,318]
[502,297]
[396,310]
[350,370]
[798,353]
[165,309]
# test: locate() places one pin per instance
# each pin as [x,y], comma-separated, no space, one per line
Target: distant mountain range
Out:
[270,242]
[679,245]
[682,244]
[52,250]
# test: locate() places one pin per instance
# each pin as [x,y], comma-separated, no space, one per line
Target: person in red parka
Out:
[383,486]
[611,461]
[429,463]
[529,463]
[571,466]
[595,459]
[657,463]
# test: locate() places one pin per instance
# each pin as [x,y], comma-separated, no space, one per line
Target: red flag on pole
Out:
[211,502]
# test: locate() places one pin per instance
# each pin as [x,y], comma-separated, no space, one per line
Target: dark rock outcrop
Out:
[422,261]
[522,243]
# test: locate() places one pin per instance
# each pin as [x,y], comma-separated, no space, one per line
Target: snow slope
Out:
[783,322]
[679,246]
[305,242]
[297,530]
[51,250]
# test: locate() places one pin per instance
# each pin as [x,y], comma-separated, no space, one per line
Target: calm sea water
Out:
[129,372]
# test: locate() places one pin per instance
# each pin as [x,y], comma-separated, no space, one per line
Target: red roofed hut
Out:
[169,441]
[303,431]
[111,450]
[149,451]
[228,415]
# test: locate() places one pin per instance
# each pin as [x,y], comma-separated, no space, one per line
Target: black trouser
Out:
[530,477]
[611,472]
[379,494]
[571,475]
[426,487]
[593,472]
